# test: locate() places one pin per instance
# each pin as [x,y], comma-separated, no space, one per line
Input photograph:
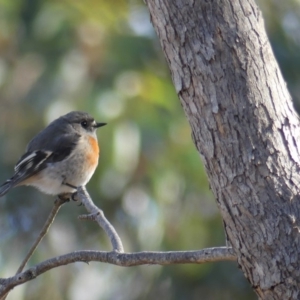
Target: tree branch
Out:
[97,215]
[116,257]
[57,204]
[120,259]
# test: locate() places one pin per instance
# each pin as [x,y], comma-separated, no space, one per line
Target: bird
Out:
[60,158]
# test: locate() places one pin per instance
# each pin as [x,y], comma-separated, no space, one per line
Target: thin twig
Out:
[57,204]
[98,215]
[120,259]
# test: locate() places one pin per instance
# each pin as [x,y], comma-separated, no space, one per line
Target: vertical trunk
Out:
[245,129]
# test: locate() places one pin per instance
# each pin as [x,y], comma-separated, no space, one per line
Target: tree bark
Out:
[245,129]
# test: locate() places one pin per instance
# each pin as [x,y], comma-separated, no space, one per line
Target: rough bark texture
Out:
[245,129]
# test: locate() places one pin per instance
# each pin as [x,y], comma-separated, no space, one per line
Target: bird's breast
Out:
[93,151]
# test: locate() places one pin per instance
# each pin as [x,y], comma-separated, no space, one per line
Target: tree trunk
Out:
[245,129]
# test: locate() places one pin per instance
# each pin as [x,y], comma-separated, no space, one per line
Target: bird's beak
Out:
[99,125]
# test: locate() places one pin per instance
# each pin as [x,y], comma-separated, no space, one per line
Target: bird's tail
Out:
[6,186]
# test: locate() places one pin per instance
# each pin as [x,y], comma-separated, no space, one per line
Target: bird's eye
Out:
[84,124]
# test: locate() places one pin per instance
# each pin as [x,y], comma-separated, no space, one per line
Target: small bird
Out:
[60,158]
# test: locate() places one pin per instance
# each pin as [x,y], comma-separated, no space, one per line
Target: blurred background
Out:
[104,58]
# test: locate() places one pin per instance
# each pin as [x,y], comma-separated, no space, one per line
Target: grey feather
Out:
[5,187]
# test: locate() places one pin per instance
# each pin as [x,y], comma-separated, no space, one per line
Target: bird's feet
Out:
[65,197]
[74,197]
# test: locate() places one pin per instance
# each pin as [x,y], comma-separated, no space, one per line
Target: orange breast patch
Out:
[93,154]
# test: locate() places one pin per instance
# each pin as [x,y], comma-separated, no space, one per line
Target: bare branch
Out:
[120,259]
[116,257]
[57,204]
[98,215]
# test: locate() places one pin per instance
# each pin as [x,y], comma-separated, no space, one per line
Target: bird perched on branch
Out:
[60,158]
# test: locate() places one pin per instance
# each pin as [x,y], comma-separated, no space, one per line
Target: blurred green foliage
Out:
[104,58]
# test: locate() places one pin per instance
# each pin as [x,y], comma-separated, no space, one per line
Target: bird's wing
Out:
[33,161]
